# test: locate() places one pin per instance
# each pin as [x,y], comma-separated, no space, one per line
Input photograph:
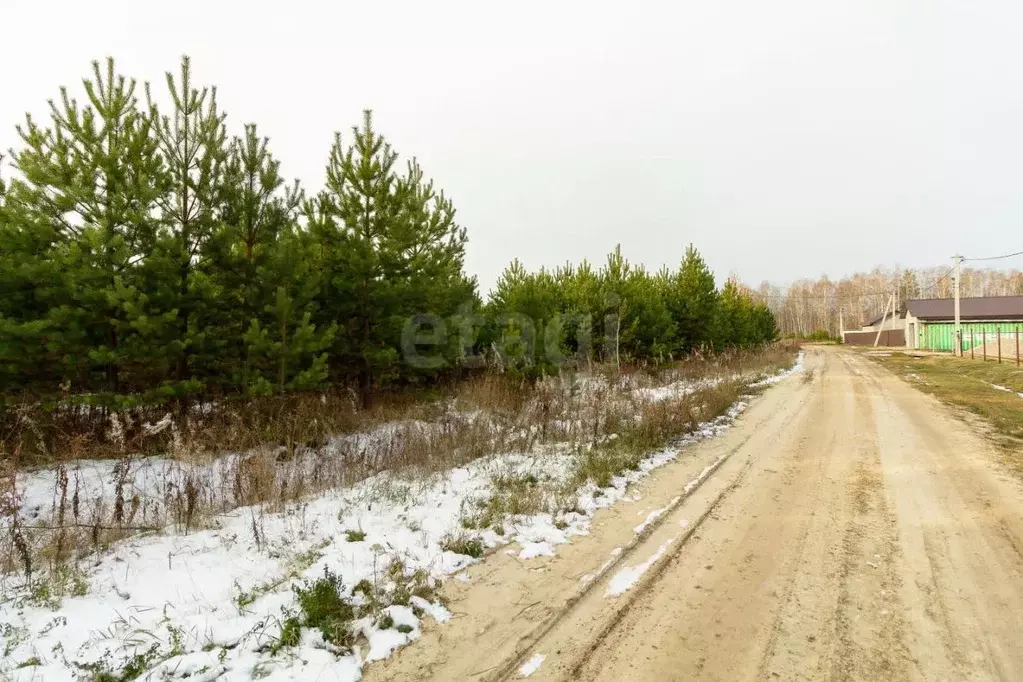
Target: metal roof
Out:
[985,308]
[901,314]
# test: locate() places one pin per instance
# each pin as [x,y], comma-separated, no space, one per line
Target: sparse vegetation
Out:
[325,608]
[464,544]
[599,425]
[291,632]
[49,588]
[485,415]
[971,385]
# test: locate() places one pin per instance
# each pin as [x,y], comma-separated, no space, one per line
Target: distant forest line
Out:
[808,306]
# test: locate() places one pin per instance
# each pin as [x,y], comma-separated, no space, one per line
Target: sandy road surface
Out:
[855,530]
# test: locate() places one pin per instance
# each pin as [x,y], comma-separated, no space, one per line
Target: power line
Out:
[936,283]
[1008,255]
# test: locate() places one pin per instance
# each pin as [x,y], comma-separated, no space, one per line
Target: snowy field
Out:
[210,604]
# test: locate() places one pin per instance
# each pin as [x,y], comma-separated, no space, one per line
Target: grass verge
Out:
[987,390]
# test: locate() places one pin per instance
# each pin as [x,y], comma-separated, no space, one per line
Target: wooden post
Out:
[1017,345]
[999,345]
[972,344]
[985,342]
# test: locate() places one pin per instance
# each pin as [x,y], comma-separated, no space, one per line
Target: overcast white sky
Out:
[785,139]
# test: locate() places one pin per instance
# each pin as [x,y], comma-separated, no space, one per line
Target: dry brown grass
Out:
[298,446]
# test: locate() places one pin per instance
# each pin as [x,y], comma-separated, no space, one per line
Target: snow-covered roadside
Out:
[209,604]
[679,389]
[782,375]
[156,481]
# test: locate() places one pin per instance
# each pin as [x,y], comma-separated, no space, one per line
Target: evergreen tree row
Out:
[621,312]
[149,256]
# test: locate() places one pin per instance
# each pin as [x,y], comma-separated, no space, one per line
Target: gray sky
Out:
[784,139]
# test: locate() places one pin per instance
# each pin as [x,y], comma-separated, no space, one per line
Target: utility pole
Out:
[958,329]
[884,316]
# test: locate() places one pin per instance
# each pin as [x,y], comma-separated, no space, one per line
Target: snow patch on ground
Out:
[654,515]
[220,593]
[1006,389]
[590,577]
[209,604]
[679,389]
[532,665]
[784,374]
[626,578]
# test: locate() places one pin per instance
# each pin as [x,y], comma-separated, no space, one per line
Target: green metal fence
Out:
[941,335]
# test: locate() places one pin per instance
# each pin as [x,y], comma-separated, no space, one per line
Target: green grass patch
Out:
[355,535]
[969,385]
[324,608]
[464,544]
[514,494]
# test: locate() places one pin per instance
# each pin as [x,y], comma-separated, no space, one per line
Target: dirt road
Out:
[855,529]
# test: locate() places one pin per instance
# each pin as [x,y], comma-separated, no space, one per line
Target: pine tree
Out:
[351,219]
[582,300]
[246,253]
[145,258]
[24,273]
[259,207]
[92,180]
[291,355]
[424,262]
[521,306]
[387,248]
[909,287]
[744,322]
[692,301]
[192,139]
[284,348]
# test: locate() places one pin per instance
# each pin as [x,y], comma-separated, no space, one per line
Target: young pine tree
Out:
[693,302]
[192,140]
[387,247]
[252,254]
[91,182]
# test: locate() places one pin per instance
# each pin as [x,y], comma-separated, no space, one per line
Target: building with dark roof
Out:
[930,324]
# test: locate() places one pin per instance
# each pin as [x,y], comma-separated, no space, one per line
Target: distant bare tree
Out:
[807,306]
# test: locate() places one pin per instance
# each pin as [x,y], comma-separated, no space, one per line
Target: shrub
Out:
[291,632]
[463,544]
[355,535]
[324,608]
